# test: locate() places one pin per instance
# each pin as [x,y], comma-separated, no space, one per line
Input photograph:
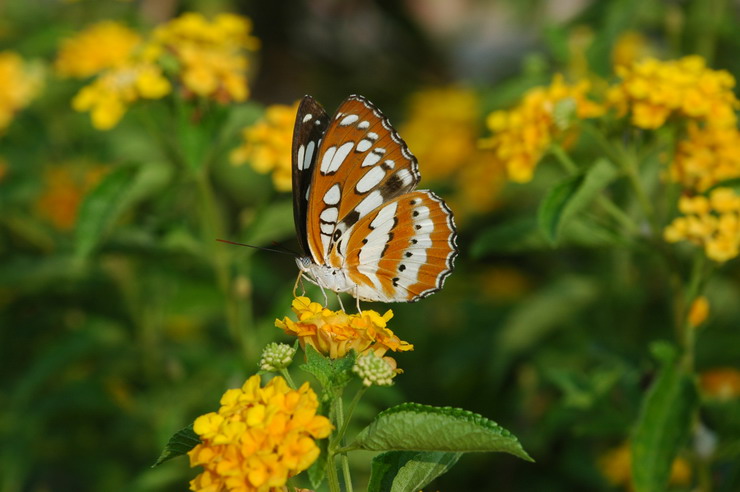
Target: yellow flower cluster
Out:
[267,145]
[19,83]
[103,45]
[441,129]
[335,333]
[212,55]
[706,156]
[64,188]
[259,437]
[712,223]
[522,135]
[652,91]
[616,466]
[109,95]
[211,61]
[630,47]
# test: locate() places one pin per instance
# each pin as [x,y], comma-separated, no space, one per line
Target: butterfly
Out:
[360,224]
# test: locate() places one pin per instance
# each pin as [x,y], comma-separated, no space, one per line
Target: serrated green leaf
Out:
[100,209]
[408,471]
[569,197]
[179,444]
[414,427]
[333,375]
[662,426]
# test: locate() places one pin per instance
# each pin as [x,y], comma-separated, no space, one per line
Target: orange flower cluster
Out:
[722,383]
[259,437]
[521,136]
[713,223]
[64,189]
[335,333]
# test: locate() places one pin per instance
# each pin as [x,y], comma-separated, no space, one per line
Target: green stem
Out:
[331,475]
[607,205]
[350,411]
[699,274]
[338,439]
[286,375]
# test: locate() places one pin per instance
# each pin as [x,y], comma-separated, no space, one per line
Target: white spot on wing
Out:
[332,196]
[327,228]
[370,180]
[372,135]
[307,117]
[338,157]
[364,145]
[309,154]
[371,159]
[326,161]
[363,125]
[301,153]
[349,119]
[369,203]
[330,214]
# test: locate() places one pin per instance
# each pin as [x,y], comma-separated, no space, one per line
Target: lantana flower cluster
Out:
[651,91]
[266,145]
[259,437]
[202,58]
[19,83]
[706,156]
[712,223]
[335,333]
[522,135]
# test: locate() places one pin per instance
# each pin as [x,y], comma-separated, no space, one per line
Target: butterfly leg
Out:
[357,298]
[341,306]
[295,286]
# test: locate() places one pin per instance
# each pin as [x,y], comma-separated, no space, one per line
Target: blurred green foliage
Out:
[123,327]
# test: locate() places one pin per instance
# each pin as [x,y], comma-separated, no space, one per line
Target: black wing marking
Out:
[310,125]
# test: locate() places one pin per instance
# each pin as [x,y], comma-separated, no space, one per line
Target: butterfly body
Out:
[362,227]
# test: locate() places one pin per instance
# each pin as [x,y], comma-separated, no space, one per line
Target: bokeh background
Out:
[121,318]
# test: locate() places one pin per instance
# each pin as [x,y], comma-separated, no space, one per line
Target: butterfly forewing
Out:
[310,124]
[362,163]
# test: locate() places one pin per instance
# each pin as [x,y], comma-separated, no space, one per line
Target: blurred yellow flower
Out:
[616,466]
[259,437]
[335,333]
[212,55]
[100,46]
[109,95]
[699,311]
[19,84]
[267,145]
[652,90]
[441,129]
[64,187]
[712,223]
[522,135]
[706,156]
[477,185]
[631,47]
[722,383]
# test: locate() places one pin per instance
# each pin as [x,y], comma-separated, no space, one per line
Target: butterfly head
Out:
[304,263]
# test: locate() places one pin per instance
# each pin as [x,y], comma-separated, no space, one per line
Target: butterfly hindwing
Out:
[310,125]
[403,251]
[362,163]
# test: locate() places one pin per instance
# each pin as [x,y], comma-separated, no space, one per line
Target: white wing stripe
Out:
[370,180]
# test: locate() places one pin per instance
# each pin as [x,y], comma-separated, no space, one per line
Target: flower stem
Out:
[605,203]
[338,439]
[286,375]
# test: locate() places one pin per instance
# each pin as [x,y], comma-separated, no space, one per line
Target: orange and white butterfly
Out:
[362,227]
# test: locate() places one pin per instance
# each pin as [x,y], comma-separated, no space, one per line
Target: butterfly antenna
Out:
[276,250]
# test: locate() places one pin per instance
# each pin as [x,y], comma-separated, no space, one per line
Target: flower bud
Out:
[276,356]
[373,370]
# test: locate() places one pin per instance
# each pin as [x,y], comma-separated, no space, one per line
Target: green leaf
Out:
[733,184]
[179,444]
[408,471]
[543,312]
[663,424]
[414,427]
[100,210]
[333,375]
[273,223]
[569,197]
